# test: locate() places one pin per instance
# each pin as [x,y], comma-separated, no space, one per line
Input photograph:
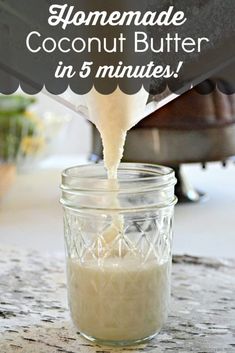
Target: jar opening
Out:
[131,176]
[139,186]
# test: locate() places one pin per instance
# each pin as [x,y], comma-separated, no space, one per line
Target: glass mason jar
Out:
[118,239]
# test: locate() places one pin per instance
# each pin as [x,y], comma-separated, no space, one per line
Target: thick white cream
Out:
[114,115]
[122,300]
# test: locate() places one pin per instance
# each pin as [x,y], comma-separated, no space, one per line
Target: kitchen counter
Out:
[34,316]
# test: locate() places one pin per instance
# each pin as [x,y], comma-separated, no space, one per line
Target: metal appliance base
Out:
[184,190]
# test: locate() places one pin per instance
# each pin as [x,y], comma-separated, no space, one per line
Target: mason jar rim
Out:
[93,177]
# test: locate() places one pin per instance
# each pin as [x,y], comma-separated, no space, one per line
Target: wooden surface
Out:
[34,316]
[7,177]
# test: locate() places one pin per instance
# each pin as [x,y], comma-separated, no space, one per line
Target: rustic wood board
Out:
[34,317]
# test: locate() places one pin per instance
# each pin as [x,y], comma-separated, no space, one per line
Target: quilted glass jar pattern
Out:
[118,238]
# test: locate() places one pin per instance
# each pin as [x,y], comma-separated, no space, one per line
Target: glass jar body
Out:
[118,268]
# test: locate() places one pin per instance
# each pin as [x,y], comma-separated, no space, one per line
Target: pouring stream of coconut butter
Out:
[114,115]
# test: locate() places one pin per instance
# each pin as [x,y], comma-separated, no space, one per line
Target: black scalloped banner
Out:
[80,44]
